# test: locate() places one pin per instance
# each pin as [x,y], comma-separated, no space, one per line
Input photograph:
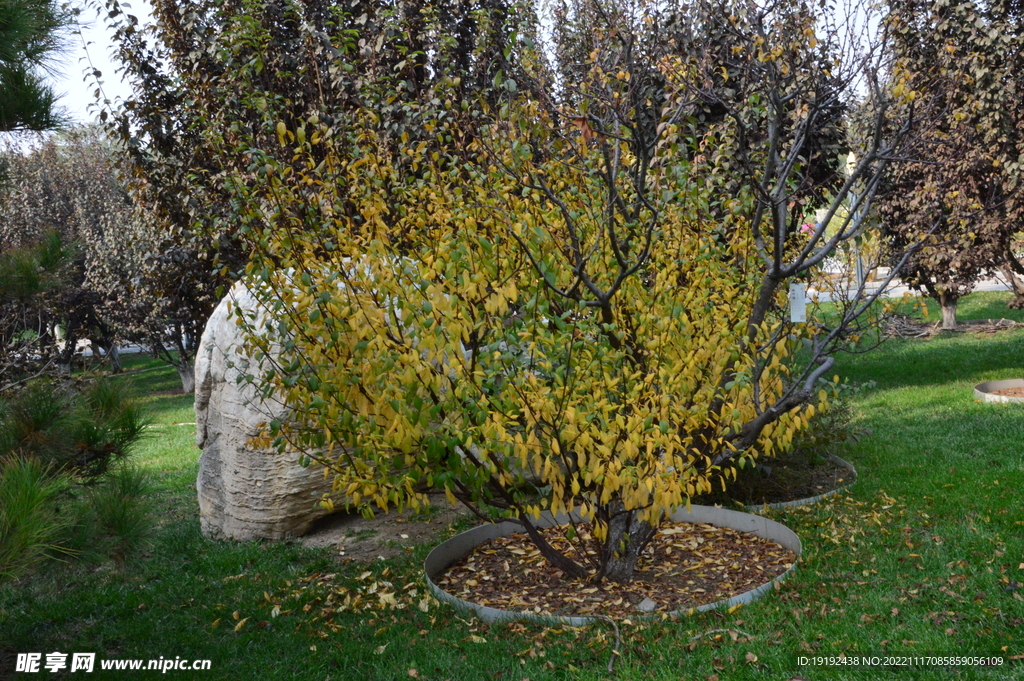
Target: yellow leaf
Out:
[241,624]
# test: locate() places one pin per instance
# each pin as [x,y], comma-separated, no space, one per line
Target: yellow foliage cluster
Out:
[436,331]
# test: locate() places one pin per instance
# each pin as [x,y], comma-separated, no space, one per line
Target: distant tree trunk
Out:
[186,361]
[1011,270]
[182,360]
[948,303]
[187,373]
[66,358]
[114,355]
[104,350]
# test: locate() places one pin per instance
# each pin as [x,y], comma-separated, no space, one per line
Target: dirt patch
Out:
[905,326]
[1009,392]
[787,477]
[386,535]
[686,565]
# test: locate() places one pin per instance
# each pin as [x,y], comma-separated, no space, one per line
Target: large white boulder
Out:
[244,493]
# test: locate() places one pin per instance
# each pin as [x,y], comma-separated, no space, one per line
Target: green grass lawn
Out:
[924,555]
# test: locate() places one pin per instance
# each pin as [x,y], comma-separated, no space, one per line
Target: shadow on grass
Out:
[959,357]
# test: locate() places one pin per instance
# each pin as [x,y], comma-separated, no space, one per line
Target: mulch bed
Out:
[685,566]
[786,477]
[1009,392]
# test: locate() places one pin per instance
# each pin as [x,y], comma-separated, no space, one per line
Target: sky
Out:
[94,45]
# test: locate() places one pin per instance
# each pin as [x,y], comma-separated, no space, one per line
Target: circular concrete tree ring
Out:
[985,391]
[811,500]
[449,552]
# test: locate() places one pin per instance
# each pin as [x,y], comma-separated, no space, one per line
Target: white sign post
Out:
[798,302]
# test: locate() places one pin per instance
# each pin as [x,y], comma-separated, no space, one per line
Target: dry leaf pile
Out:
[685,566]
[906,326]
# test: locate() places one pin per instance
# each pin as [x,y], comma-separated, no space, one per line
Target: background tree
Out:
[66,189]
[165,290]
[123,280]
[31,39]
[180,75]
[963,62]
[30,277]
[178,69]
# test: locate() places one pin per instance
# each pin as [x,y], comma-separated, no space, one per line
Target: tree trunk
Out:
[948,303]
[114,356]
[1016,285]
[187,373]
[66,358]
[627,539]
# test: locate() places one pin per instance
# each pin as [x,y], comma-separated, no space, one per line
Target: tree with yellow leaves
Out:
[546,302]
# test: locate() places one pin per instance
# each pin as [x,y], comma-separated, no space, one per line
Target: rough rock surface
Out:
[244,494]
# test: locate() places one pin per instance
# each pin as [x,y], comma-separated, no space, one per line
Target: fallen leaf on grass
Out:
[751,658]
[241,624]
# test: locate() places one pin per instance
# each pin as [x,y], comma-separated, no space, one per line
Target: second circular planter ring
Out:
[753,508]
[450,552]
[986,392]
